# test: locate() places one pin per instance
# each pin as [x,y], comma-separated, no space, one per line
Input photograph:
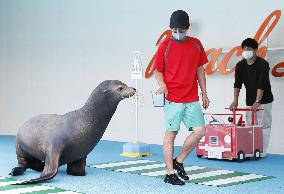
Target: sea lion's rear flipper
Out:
[39,180]
[77,168]
[50,168]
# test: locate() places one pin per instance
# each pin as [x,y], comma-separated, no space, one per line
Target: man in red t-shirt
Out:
[178,67]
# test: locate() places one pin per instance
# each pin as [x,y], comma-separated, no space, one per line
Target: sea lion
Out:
[48,141]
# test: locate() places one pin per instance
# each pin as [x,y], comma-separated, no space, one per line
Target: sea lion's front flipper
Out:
[33,164]
[50,168]
[17,171]
[77,168]
[23,162]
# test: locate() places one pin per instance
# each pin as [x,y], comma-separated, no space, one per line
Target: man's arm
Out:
[236,94]
[202,84]
[160,79]
[201,79]
[237,86]
[236,99]
[262,81]
[259,95]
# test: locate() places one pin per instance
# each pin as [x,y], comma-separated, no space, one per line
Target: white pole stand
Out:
[136,149]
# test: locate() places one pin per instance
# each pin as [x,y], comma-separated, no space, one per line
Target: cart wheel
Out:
[241,156]
[199,156]
[256,154]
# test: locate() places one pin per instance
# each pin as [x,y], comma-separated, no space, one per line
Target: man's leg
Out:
[173,116]
[249,117]
[264,118]
[190,142]
[168,150]
[193,119]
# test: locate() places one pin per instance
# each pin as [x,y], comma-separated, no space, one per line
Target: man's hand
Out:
[255,106]
[233,105]
[205,101]
[163,89]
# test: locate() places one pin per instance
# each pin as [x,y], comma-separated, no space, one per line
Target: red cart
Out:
[232,140]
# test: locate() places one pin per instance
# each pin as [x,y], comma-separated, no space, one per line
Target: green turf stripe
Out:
[7,180]
[90,165]
[116,162]
[217,177]
[198,171]
[191,172]
[131,165]
[55,190]
[149,170]
[164,168]
[160,176]
[9,187]
[248,181]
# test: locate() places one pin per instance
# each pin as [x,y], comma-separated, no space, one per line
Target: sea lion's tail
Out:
[43,178]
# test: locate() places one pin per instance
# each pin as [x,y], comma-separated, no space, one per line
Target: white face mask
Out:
[179,35]
[247,54]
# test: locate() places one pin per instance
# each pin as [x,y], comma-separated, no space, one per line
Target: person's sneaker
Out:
[180,169]
[173,179]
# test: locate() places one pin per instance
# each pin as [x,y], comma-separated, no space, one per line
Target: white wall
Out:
[2,62]
[54,53]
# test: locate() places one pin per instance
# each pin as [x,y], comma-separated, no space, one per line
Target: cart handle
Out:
[239,122]
[246,110]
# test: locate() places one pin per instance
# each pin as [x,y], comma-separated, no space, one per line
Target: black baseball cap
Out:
[179,19]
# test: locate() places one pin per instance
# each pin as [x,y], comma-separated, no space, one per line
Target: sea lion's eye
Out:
[120,88]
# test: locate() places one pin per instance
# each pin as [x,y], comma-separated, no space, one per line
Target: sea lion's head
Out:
[117,90]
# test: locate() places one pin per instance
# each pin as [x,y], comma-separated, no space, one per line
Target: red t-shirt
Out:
[178,61]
